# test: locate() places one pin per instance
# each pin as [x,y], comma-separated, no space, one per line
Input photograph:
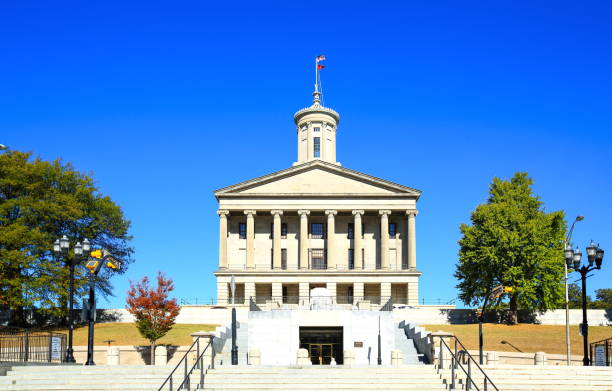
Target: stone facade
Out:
[318,224]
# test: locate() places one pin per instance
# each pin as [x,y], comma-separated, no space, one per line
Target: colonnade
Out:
[304,243]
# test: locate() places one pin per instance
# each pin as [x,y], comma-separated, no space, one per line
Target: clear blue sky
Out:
[166,101]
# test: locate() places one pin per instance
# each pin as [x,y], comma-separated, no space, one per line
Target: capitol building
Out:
[317,224]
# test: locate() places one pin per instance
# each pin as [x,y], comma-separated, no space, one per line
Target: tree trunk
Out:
[152,352]
[513,314]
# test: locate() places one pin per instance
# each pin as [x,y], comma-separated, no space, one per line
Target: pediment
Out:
[318,178]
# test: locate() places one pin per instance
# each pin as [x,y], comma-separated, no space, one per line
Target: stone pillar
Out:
[222,292]
[161,355]
[385,292]
[254,357]
[249,290]
[304,242]
[222,238]
[277,291]
[250,238]
[304,293]
[397,358]
[331,237]
[113,356]
[492,359]
[331,287]
[276,238]
[413,293]
[384,238]
[411,238]
[540,358]
[349,357]
[358,291]
[357,240]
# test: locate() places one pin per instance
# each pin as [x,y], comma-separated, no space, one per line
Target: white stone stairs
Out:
[539,377]
[407,346]
[79,377]
[317,378]
[223,357]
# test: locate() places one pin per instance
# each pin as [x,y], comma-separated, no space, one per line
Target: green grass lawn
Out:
[127,334]
[526,337]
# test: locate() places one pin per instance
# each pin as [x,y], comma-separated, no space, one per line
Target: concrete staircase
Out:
[224,357]
[77,377]
[317,378]
[406,345]
[541,378]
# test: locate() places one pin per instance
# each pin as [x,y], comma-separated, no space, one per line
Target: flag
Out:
[319,66]
[320,58]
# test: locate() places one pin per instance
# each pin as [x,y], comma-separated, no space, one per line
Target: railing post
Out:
[212,345]
[27,346]
[50,347]
[170,382]
[186,378]
[441,356]
[201,359]
[197,351]
[468,385]
[485,383]
[453,372]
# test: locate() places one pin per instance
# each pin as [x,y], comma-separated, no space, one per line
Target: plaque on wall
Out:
[358,344]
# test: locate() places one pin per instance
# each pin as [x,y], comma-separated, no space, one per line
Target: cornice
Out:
[316,109]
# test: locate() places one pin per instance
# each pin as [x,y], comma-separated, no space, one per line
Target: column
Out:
[222,238]
[384,238]
[276,238]
[412,238]
[358,292]
[250,239]
[222,292]
[277,291]
[385,292]
[331,236]
[331,287]
[413,293]
[249,291]
[357,240]
[303,259]
[304,293]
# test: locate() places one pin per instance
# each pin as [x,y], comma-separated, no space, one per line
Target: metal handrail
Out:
[456,361]
[184,363]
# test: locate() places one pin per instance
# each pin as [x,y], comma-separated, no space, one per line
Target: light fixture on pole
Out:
[568,247]
[60,248]
[595,258]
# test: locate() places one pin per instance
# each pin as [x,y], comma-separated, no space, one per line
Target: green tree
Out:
[39,202]
[603,299]
[575,297]
[512,241]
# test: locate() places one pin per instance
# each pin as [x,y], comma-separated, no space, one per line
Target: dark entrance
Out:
[323,344]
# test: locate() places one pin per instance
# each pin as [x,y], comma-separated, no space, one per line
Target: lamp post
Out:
[568,347]
[572,259]
[234,347]
[97,259]
[60,248]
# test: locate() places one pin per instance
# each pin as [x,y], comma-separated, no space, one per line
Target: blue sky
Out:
[165,102]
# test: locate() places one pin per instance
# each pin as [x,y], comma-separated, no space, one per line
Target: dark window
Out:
[392,230]
[351,230]
[242,230]
[317,147]
[351,258]
[317,129]
[317,259]
[316,230]
[284,258]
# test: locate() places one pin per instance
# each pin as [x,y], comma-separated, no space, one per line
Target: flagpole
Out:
[316,76]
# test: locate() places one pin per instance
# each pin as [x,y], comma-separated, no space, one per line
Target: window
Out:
[284,258]
[351,231]
[242,230]
[392,230]
[317,259]
[317,147]
[317,129]
[351,258]
[316,230]
[283,230]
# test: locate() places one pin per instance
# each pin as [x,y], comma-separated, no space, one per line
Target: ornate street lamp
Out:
[572,258]
[60,248]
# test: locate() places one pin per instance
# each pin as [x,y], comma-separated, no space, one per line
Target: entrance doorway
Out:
[323,344]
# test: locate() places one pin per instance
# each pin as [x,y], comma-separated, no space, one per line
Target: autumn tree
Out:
[155,313]
[41,201]
[513,241]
